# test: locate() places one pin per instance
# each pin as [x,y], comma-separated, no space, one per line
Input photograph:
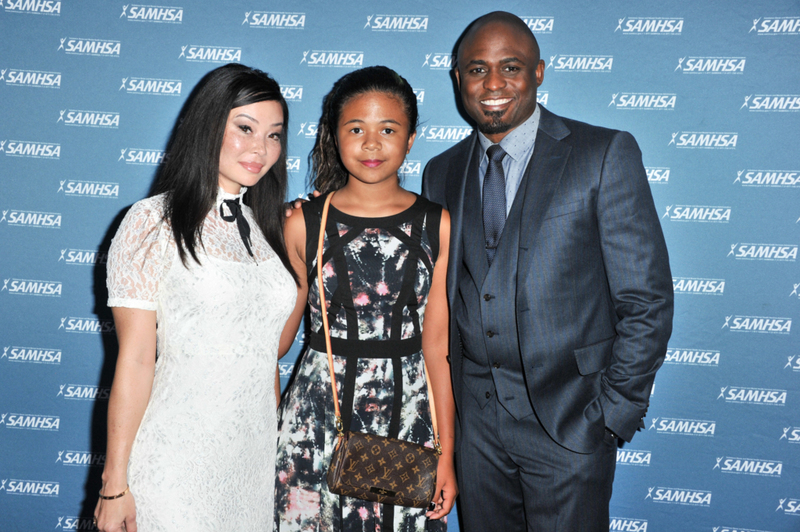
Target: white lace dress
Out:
[204,456]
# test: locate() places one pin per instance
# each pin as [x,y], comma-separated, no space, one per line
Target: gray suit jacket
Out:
[594,289]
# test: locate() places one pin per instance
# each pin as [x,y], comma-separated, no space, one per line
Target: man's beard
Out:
[495,124]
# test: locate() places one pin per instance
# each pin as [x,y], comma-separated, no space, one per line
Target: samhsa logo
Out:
[420,94]
[30,487]
[542,97]
[75,117]
[73,522]
[308,130]
[411,168]
[81,458]
[87,325]
[146,13]
[581,63]
[793,360]
[697,213]
[293,164]
[153,86]
[752,396]
[789,506]
[657,174]
[626,524]
[83,392]
[210,54]
[444,133]
[285,370]
[337,59]
[30,422]
[275,20]
[772,103]
[438,61]
[704,140]
[649,26]
[711,65]
[539,25]
[758,324]
[771,252]
[632,457]
[83,257]
[693,285]
[749,466]
[89,189]
[643,101]
[686,427]
[139,156]
[692,357]
[95,47]
[35,355]
[47,220]
[33,7]
[682,496]
[31,78]
[767,178]
[776,26]
[791,435]
[30,287]
[36,150]
[404,23]
[292,93]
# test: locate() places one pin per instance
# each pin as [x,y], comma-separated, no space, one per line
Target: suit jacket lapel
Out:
[473,236]
[455,188]
[544,173]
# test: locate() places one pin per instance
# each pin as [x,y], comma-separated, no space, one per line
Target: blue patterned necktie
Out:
[494,200]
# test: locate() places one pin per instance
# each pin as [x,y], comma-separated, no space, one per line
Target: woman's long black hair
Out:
[190,175]
[327,171]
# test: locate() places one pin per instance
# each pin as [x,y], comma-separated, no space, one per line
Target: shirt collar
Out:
[518,142]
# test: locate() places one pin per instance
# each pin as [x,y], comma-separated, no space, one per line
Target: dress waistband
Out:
[368,348]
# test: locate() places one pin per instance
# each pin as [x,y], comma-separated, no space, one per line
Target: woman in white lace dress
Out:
[201,288]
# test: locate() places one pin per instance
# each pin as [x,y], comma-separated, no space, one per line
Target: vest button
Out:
[490,333]
[487,297]
[496,365]
[488,394]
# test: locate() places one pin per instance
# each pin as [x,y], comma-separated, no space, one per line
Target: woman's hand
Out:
[117,515]
[446,488]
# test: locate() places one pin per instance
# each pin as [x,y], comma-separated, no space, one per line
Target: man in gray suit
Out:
[560,294]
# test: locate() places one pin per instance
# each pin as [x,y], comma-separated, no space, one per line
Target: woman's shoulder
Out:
[152,208]
[145,220]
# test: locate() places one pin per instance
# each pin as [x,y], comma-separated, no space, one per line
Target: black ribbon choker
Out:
[236,214]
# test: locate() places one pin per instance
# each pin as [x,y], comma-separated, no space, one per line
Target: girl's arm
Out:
[435,346]
[130,393]
[294,234]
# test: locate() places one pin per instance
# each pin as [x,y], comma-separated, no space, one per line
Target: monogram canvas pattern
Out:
[384,470]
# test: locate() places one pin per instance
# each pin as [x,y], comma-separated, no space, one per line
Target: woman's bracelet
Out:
[111,498]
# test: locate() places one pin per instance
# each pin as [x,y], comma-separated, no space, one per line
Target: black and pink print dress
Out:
[377,274]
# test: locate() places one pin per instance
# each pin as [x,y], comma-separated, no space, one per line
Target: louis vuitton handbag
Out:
[370,467]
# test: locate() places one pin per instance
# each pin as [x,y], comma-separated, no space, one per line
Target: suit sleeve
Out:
[637,266]
[433,183]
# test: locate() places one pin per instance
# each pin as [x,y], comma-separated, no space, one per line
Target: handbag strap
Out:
[326,328]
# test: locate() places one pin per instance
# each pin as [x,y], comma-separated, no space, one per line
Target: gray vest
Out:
[486,317]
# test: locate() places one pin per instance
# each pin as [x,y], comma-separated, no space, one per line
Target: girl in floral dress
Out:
[384,269]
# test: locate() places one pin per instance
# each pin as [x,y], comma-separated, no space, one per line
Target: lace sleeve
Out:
[139,256]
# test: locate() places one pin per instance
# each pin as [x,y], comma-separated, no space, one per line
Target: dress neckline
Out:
[222,195]
[379,221]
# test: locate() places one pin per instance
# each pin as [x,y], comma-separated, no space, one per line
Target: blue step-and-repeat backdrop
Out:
[89,92]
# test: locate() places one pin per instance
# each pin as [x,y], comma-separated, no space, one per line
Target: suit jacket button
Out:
[487,297]
[490,334]
[488,394]
[496,365]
